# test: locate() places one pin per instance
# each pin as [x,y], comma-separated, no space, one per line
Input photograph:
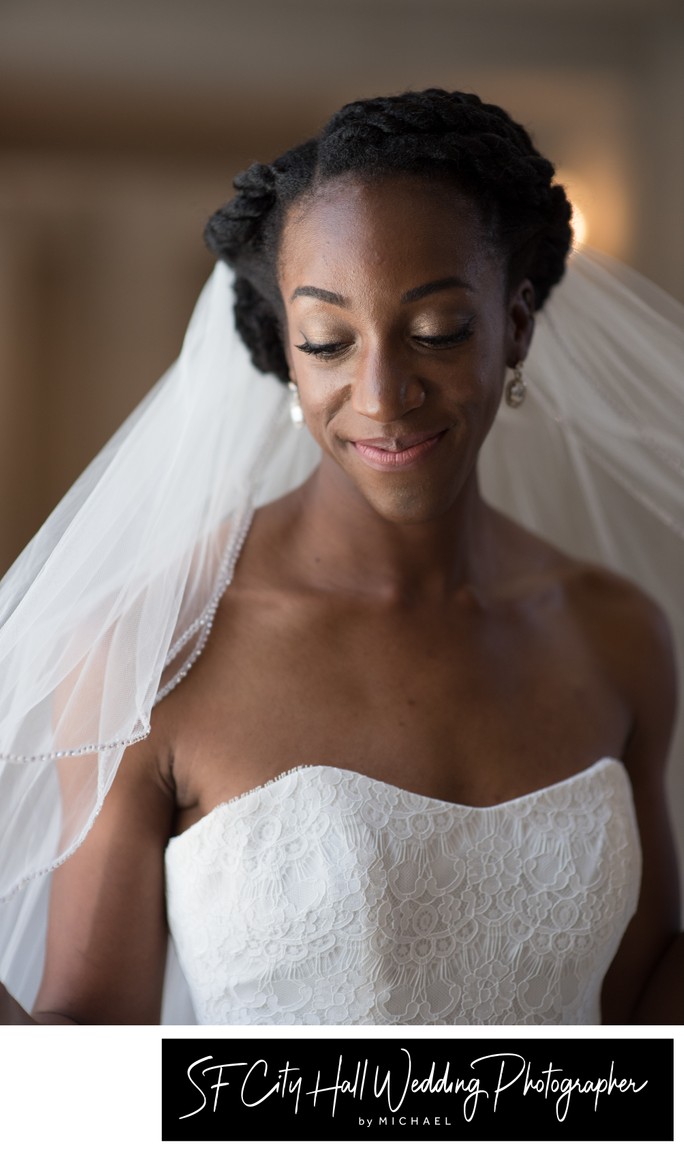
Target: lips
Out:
[394,453]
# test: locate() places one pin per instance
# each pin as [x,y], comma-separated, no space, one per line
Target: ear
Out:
[521,312]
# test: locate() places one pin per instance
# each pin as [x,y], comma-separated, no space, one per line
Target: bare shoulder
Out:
[629,638]
[630,635]
[624,634]
[603,597]
[624,625]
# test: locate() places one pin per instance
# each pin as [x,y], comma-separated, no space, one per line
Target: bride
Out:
[416,772]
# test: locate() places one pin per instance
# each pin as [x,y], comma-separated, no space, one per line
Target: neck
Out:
[342,543]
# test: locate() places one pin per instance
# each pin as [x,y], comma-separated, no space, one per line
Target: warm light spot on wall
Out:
[579,225]
[580,197]
[601,209]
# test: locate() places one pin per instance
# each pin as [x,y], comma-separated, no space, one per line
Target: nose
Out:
[385,387]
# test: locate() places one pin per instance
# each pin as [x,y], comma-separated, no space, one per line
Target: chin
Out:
[407,506]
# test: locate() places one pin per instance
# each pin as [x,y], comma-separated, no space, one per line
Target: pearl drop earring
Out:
[296,413]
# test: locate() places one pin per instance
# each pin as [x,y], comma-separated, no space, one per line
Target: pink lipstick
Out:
[387,455]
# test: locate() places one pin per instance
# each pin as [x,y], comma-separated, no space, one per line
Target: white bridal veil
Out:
[111,603]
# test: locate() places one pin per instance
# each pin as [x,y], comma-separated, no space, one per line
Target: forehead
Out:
[402,228]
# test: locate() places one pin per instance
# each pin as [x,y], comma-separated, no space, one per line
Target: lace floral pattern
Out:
[329,897]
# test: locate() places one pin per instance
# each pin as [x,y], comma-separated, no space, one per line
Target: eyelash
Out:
[330,351]
[322,351]
[450,340]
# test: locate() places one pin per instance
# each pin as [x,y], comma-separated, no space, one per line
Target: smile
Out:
[388,455]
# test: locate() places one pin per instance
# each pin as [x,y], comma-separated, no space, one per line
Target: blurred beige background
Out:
[122,124]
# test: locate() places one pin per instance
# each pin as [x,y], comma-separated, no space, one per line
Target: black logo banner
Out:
[417,1089]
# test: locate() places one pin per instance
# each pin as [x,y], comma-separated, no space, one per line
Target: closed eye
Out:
[449,340]
[323,351]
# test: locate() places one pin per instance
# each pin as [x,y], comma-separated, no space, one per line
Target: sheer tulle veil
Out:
[111,603]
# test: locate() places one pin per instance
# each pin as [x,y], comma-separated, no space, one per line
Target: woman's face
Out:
[399,331]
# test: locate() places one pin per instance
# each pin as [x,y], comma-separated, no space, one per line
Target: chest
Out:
[471,705]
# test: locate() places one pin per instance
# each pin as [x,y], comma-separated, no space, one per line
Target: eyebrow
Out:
[320,294]
[409,297]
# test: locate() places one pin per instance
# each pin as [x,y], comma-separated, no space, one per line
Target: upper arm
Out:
[648,676]
[107,933]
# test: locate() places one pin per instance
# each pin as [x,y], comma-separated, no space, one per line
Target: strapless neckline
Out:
[303,769]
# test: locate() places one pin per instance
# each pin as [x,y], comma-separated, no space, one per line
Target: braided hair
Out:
[451,135]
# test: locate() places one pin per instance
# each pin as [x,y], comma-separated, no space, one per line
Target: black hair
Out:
[451,135]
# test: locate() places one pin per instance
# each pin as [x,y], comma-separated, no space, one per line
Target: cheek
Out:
[491,389]
[474,385]
[322,394]
[489,372]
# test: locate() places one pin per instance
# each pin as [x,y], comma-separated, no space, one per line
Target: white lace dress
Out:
[328,897]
